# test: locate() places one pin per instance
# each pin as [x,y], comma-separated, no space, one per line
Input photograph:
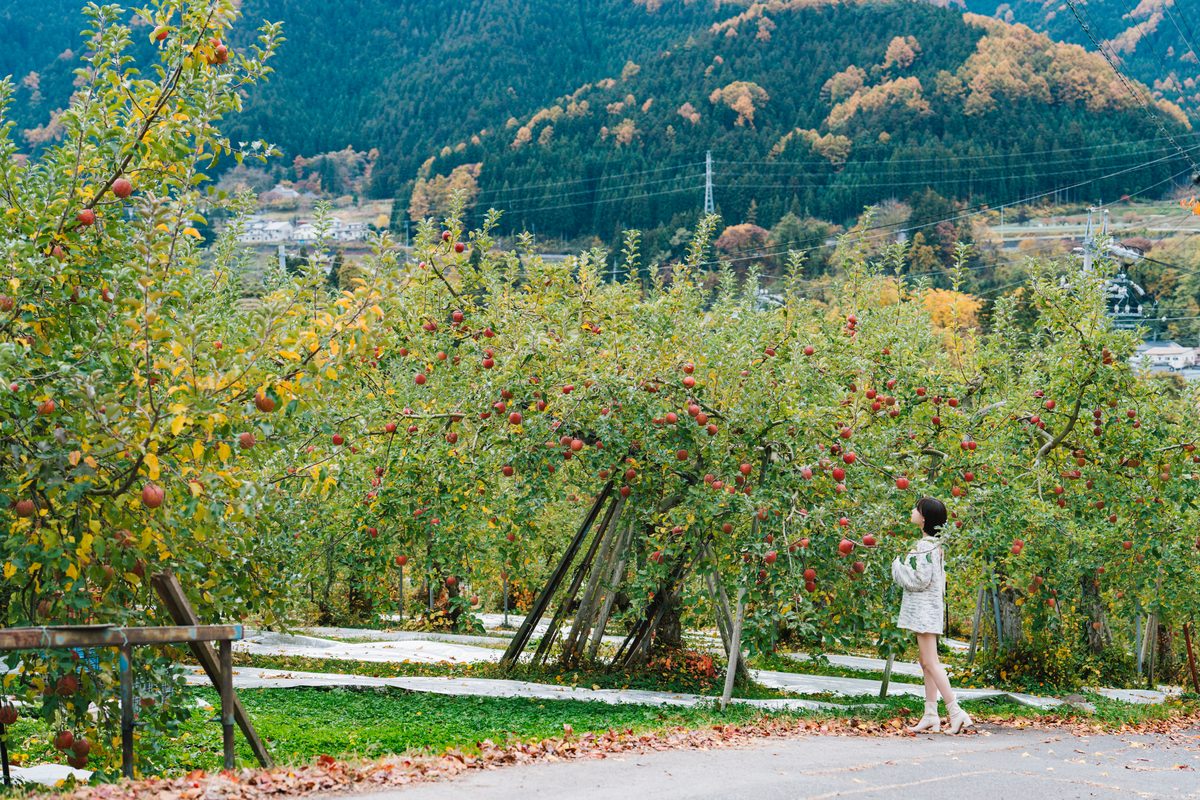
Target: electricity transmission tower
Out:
[709,207]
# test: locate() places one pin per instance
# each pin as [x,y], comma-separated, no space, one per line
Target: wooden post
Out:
[126,668]
[1191,656]
[226,649]
[585,564]
[887,676]
[521,639]
[171,593]
[573,648]
[610,594]
[4,756]
[401,592]
[975,627]
[735,650]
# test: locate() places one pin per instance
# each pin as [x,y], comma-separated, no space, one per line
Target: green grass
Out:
[301,724]
[661,681]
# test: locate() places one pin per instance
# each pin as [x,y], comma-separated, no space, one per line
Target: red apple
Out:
[902,482]
[152,495]
[246,440]
[86,217]
[264,402]
[122,188]
[338,440]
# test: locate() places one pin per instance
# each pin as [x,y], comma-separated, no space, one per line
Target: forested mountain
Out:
[818,109]
[587,116]
[1155,40]
[403,76]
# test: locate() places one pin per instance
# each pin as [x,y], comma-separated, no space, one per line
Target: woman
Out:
[922,575]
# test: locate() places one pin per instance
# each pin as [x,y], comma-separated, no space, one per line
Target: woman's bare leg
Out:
[934,672]
[931,692]
[929,720]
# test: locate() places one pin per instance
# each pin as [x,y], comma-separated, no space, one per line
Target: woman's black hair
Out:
[934,512]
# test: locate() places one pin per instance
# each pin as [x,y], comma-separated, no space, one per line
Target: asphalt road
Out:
[998,764]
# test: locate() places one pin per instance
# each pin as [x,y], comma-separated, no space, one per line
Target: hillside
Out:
[403,76]
[817,108]
[1155,40]
[812,106]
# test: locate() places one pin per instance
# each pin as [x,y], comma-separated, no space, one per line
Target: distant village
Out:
[1158,356]
[261,229]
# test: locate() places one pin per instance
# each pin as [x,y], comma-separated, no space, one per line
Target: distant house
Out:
[279,194]
[1165,355]
[260,230]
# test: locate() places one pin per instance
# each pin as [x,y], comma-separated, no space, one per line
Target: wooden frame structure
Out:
[188,630]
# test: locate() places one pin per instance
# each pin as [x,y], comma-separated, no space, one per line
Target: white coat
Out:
[922,576]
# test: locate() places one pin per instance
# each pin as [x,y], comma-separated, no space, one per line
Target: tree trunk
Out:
[1095,617]
[1164,656]
[669,634]
[1010,618]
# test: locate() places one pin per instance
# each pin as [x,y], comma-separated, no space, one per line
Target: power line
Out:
[625,175]
[893,227]
[495,195]
[1187,37]
[1155,118]
[942,159]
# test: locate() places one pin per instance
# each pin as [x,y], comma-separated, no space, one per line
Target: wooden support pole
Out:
[1191,656]
[735,651]
[586,612]
[975,622]
[887,676]
[126,669]
[565,602]
[4,756]
[523,634]
[610,593]
[171,593]
[226,650]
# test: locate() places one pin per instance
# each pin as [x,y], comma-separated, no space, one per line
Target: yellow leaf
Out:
[91,462]
[196,487]
[195,234]
[197,449]
[72,573]
[74,457]
[9,570]
[152,466]
[290,355]
[177,424]
[223,451]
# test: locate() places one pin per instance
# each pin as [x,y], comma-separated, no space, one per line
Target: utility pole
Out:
[709,207]
[1089,243]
